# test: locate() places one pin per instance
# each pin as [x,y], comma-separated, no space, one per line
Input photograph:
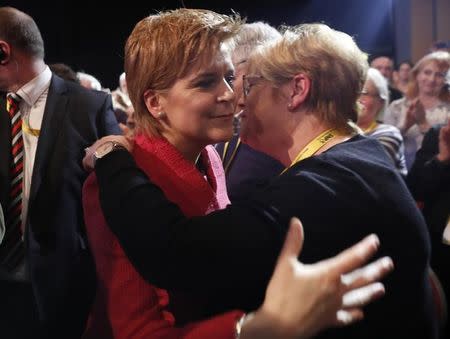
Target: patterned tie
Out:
[11,249]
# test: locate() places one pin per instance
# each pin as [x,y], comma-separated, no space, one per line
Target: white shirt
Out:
[34,97]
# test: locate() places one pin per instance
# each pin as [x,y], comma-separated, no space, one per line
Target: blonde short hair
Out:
[331,60]
[164,47]
[442,60]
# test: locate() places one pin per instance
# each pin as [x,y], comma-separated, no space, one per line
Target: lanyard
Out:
[227,164]
[372,126]
[27,129]
[313,146]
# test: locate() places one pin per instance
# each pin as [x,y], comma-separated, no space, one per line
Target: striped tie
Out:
[11,249]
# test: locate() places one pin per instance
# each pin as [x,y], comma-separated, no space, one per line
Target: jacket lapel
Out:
[55,109]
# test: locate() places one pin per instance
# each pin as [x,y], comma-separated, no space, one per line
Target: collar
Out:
[32,90]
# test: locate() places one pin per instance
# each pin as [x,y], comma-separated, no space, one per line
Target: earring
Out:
[161,115]
[289,106]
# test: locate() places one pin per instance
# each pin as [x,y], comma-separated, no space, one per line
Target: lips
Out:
[223,116]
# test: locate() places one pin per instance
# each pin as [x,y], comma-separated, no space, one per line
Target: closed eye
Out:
[206,82]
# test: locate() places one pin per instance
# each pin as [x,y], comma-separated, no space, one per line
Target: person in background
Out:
[429,182]
[89,81]
[374,99]
[47,278]
[401,76]
[427,102]
[183,105]
[385,65]
[64,71]
[440,45]
[246,169]
[122,104]
[299,94]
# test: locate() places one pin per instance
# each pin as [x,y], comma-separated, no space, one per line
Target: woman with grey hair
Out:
[246,169]
[373,101]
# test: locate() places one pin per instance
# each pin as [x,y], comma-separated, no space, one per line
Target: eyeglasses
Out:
[247,82]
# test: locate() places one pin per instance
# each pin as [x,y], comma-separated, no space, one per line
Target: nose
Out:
[228,94]
[240,103]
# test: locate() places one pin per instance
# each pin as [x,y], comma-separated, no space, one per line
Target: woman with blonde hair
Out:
[426,103]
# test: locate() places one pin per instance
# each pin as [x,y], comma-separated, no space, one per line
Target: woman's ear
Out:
[153,103]
[299,90]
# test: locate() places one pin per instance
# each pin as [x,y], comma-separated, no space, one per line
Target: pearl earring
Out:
[161,115]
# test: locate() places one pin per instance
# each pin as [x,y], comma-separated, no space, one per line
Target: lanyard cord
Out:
[313,146]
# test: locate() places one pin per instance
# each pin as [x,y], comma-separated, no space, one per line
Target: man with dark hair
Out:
[47,278]
[386,67]
[64,71]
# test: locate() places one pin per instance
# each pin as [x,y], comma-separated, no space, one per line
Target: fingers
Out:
[368,274]
[87,160]
[362,296]
[346,317]
[445,130]
[124,128]
[294,240]
[354,300]
[355,256]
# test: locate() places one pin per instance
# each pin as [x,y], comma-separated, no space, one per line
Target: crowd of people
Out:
[168,208]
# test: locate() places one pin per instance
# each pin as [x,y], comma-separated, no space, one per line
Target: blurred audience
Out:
[89,81]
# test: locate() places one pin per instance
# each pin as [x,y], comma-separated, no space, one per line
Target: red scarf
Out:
[180,180]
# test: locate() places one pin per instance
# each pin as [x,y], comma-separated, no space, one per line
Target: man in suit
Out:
[48,291]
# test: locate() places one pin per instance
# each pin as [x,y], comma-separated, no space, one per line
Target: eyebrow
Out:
[203,75]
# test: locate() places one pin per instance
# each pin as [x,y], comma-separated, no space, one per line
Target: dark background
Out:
[90,37]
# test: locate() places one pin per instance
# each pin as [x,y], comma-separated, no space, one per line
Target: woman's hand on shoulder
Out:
[89,161]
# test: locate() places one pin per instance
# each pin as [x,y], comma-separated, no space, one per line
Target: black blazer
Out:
[60,266]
